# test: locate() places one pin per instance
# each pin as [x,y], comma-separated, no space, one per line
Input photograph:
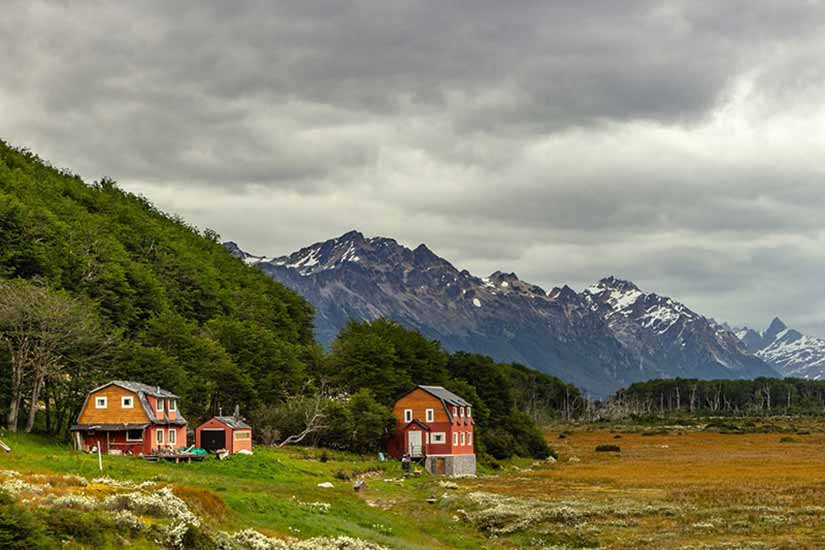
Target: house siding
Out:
[114,413]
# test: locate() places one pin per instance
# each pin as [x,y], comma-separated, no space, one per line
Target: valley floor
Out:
[668,487]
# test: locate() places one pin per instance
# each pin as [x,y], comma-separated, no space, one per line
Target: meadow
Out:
[716,485]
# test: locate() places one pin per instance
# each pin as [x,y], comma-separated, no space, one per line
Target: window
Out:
[173,405]
[455,439]
[134,435]
[438,437]
[469,412]
[408,415]
[160,405]
[127,402]
[430,415]
[159,437]
[173,436]
[101,402]
[455,413]
[470,439]
[243,435]
[462,412]
[463,438]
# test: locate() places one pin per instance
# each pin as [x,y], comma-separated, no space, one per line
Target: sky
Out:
[680,145]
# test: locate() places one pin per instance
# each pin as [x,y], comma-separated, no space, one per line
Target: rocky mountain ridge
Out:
[604,338]
[787,350]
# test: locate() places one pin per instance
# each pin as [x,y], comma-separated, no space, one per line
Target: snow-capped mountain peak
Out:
[787,350]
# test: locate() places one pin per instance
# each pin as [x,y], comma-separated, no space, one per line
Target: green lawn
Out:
[274,491]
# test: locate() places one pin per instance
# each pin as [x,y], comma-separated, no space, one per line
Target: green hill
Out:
[185,314]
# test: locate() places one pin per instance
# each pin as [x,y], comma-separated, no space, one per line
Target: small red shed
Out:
[224,432]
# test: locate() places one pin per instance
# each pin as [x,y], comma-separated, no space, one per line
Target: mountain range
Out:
[608,336]
[789,351]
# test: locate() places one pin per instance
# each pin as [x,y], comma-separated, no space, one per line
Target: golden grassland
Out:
[701,489]
[668,487]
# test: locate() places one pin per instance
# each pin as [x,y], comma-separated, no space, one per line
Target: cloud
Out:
[676,144]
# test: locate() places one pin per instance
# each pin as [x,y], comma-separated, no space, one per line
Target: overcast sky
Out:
[677,144]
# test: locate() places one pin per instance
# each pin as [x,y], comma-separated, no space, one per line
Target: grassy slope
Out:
[264,492]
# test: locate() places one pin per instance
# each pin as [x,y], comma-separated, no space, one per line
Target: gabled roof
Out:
[446,396]
[233,422]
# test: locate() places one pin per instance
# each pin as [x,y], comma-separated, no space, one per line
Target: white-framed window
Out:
[430,415]
[470,439]
[408,415]
[462,412]
[173,405]
[463,438]
[455,439]
[134,435]
[173,436]
[101,402]
[160,405]
[455,413]
[469,412]
[127,402]
[438,437]
[159,436]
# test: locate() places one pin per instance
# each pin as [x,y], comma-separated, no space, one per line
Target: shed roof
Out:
[234,422]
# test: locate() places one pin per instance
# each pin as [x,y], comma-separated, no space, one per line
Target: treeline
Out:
[761,396]
[97,284]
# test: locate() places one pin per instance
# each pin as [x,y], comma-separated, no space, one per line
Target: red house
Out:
[435,426]
[129,418]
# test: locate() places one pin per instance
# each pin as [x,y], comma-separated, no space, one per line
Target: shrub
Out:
[87,528]
[19,528]
[788,439]
[608,449]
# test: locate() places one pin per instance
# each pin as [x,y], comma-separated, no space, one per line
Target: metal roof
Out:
[445,395]
[154,391]
[234,423]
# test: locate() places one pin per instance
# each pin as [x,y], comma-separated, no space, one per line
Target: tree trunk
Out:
[38,385]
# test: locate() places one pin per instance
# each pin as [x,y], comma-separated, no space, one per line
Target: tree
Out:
[43,332]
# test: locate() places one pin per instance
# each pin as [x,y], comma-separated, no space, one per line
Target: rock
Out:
[574,459]
[244,452]
[326,485]
[551,460]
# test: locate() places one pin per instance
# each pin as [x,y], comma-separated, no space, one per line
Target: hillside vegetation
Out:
[99,284]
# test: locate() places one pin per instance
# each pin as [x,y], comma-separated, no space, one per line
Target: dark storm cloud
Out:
[675,143]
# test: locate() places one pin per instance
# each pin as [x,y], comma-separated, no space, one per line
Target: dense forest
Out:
[761,396]
[97,284]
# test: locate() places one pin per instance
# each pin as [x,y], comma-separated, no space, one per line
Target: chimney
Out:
[220,411]
[237,415]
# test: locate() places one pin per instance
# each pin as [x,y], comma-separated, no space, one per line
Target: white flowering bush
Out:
[74,502]
[16,486]
[319,507]
[106,480]
[127,521]
[162,504]
[250,539]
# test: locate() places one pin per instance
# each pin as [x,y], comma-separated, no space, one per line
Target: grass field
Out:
[674,487]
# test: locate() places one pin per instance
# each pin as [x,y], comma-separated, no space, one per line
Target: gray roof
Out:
[155,391]
[445,395]
[234,423]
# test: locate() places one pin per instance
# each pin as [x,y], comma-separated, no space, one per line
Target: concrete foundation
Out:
[451,465]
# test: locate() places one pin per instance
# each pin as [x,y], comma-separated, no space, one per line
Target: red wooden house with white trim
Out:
[435,426]
[130,418]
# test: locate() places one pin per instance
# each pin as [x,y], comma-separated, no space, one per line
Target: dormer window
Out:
[173,405]
[127,402]
[469,412]
[455,412]
[462,412]
[160,405]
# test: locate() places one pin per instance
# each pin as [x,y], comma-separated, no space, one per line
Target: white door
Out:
[414,443]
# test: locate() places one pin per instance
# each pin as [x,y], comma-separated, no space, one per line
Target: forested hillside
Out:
[97,283]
